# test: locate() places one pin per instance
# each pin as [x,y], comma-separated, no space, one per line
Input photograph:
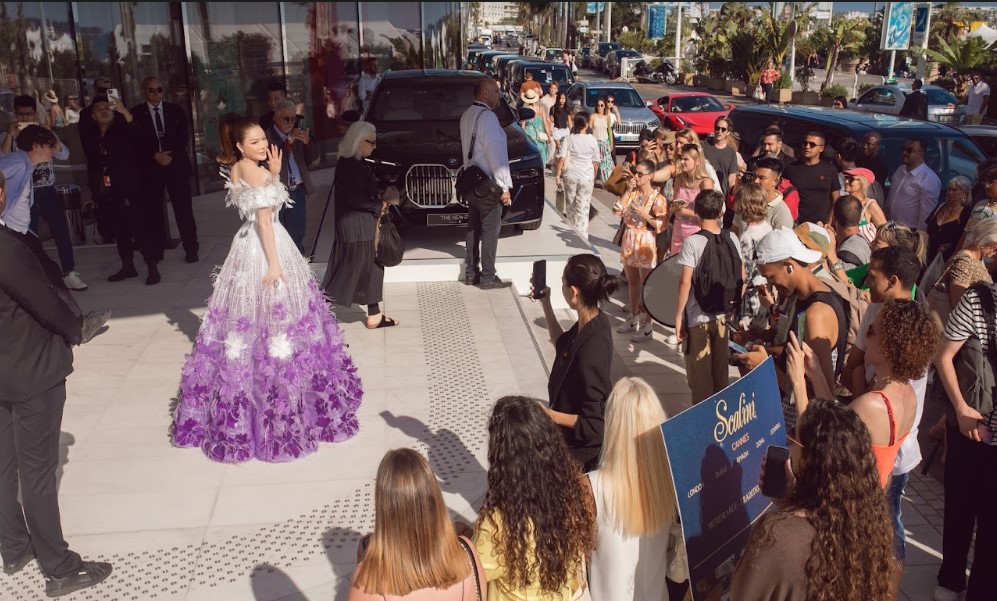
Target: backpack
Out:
[856,302]
[716,281]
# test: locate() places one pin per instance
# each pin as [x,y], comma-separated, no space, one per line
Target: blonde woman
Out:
[684,137]
[690,181]
[857,183]
[751,225]
[635,500]
[965,269]
[414,552]
[946,222]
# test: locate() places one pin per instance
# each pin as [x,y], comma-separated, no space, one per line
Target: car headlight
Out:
[653,124]
[680,120]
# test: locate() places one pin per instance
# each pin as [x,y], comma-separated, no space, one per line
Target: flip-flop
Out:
[386,322]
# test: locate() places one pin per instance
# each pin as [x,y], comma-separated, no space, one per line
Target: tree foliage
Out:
[844,35]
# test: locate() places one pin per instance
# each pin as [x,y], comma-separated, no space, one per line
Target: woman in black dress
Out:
[352,275]
[947,222]
[579,379]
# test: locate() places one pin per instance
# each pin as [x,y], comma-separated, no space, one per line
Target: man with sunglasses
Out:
[721,154]
[286,133]
[161,135]
[914,188]
[979,98]
[816,181]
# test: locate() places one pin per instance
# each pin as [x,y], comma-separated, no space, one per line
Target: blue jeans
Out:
[894,493]
[48,205]
[293,218]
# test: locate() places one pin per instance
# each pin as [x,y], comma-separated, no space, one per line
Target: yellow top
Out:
[498,589]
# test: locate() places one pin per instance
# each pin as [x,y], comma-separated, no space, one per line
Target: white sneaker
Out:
[644,332]
[672,339]
[628,325]
[73,281]
[944,594]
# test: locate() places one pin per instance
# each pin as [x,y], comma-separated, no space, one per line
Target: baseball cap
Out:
[814,237]
[103,82]
[782,244]
[869,176]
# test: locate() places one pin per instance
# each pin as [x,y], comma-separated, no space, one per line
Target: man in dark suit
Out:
[37,329]
[162,135]
[916,103]
[286,134]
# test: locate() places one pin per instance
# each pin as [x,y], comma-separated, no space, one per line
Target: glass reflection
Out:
[392,33]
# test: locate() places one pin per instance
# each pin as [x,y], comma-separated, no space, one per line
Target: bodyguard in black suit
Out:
[37,329]
[162,134]
[916,103]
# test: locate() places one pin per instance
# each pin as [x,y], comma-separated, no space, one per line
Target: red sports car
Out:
[694,110]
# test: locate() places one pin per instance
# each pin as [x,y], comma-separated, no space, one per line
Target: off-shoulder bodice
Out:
[271,195]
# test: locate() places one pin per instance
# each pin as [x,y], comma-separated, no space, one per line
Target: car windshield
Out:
[696,104]
[608,46]
[548,74]
[939,96]
[422,100]
[627,53]
[625,98]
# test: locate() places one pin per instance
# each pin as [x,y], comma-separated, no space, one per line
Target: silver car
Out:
[633,110]
[943,107]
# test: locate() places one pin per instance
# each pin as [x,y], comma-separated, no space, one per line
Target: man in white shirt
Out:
[482,136]
[979,99]
[914,188]
[368,80]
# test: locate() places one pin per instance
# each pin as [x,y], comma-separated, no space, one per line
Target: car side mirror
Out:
[649,103]
[730,107]
[526,114]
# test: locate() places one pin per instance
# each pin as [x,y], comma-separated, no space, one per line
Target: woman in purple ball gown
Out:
[269,376]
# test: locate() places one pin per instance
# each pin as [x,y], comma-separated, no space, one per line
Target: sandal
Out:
[386,322]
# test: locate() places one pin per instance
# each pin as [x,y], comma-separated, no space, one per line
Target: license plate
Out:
[629,137]
[446,219]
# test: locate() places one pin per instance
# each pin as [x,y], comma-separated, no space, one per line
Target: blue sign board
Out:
[897,25]
[656,21]
[592,9]
[922,20]
[715,450]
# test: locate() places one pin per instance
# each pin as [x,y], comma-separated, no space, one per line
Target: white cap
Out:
[782,244]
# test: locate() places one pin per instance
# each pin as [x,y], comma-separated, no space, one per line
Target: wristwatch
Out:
[839,266]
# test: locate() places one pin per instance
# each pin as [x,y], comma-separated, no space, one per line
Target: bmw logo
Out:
[452,162]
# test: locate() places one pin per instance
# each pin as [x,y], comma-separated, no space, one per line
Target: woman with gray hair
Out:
[947,221]
[965,269]
[353,276]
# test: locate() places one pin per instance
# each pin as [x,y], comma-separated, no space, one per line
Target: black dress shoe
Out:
[126,271]
[192,257]
[494,284]
[153,278]
[89,574]
[12,567]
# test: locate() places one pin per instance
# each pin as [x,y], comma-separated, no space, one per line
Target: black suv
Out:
[417,115]
[949,152]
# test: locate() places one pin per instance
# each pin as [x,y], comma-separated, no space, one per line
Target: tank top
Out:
[837,304]
[866,228]
[886,455]
[601,129]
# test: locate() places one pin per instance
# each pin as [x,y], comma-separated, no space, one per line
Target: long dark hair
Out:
[535,488]
[838,489]
[231,130]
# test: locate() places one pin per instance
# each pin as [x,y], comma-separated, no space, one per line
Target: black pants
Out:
[482,241]
[183,209]
[133,220]
[29,452]
[970,499]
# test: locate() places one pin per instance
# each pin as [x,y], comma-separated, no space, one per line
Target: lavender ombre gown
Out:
[269,376]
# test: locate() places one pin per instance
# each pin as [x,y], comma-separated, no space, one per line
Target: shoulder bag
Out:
[474,567]
[389,249]
[473,184]
[974,369]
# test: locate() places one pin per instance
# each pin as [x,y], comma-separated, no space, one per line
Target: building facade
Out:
[218,57]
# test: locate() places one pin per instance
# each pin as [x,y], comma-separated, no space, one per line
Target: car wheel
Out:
[528,227]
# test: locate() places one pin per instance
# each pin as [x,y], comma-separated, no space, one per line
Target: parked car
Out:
[635,114]
[950,152]
[613,62]
[486,60]
[543,73]
[501,66]
[943,107]
[695,110]
[417,114]
[583,57]
[602,49]
[553,54]
[985,137]
[473,50]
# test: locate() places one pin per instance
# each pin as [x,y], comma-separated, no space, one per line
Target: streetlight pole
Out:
[678,36]
[609,21]
[792,45]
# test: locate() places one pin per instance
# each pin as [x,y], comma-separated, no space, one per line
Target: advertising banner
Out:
[594,7]
[716,449]
[897,25]
[656,21]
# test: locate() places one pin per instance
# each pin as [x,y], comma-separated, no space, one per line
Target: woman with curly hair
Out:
[830,538]
[414,552]
[635,500]
[537,524]
[900,344]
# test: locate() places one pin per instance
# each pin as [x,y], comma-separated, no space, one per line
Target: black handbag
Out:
[473,184]
[389,248]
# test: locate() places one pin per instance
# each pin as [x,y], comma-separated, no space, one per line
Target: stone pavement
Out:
[177,526]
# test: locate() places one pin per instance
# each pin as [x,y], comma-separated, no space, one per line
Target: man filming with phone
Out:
[289,134]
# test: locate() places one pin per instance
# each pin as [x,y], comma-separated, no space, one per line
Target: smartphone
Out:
[801,322]
[299,122]
[113,95]
[539,278]
[736,348]
[986,434]
[774,486]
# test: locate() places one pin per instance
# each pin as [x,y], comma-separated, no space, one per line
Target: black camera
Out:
[748,177]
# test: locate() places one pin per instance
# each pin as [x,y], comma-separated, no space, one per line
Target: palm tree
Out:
[962,55]
[843,34]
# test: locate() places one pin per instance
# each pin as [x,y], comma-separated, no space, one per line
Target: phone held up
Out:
[299,122]
[113,95]
[539,279]
[774,486]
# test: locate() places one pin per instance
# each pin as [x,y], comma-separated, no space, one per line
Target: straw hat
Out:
[530,96]
[51,97]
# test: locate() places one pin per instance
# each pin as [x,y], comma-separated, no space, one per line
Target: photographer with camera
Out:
[289,134]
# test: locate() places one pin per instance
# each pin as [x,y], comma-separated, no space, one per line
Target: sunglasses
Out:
[371,142]
[718,128]
[287,119]
[809,144]
[154,90]
[849,178]
[908,149]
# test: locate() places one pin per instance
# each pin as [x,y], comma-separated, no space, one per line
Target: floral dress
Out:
[269,376]
[601,132]
[639,244]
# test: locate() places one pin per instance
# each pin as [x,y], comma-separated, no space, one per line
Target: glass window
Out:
[392,33]
[696,104]
[235,51]
[940,96]
[441,34]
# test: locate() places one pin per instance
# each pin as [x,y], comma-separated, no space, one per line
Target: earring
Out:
[789,268]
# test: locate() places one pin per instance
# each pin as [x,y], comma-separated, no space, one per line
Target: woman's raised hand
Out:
[275,159]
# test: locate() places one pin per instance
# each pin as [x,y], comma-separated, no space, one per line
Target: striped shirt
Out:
[965,321]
